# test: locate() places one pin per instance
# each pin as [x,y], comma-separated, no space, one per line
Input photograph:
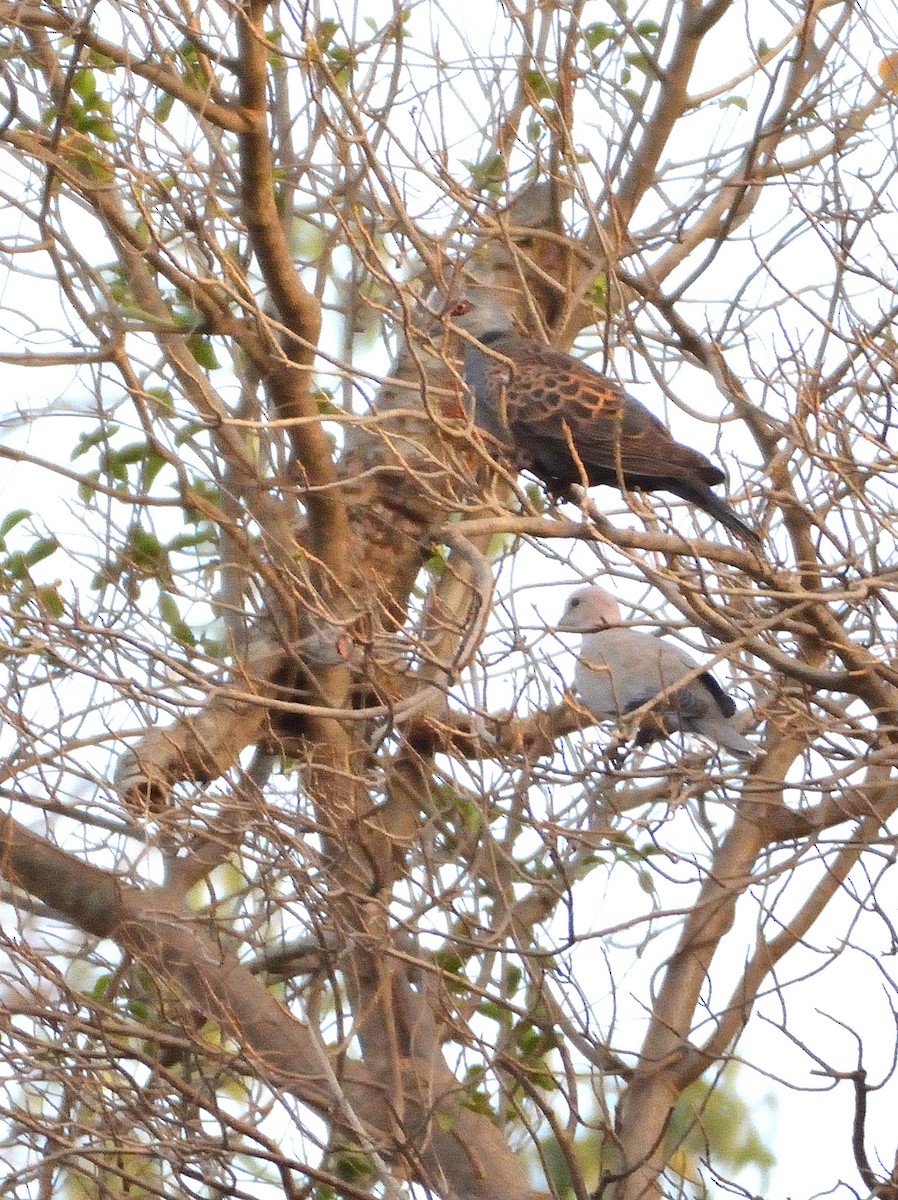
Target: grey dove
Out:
[619,670]
[555,416]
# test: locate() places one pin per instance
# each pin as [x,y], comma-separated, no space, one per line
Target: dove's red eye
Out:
[461,309]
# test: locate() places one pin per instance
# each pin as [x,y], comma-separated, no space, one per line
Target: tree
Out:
[314,875]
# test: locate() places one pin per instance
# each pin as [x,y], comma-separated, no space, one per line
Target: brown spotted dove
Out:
[555,416]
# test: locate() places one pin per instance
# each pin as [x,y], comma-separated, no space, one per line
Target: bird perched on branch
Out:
[619,670]
[557,417]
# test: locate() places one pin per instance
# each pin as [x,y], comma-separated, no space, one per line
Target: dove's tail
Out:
[705,499]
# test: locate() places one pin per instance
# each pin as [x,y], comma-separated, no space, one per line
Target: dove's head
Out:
[479,313]
[588,610]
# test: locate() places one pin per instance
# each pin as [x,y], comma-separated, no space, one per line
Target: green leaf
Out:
[147,552]
[15,565]
[152,465]
[598,292]
[648,29]
[85,84]
[171,616]
[85,492]
[185,315]
[102,62]
[711,1115]
[639,62]
[597,33]
[100,127]
[324,34]
[87,441]
[353,1167]
[101,987]
[203,540]
[435,565]
[203,490]
[449,960]
[646,882]
[41,549]
[342,56]
[89,162]
[307,240]
[471,816]
[168,610]
[98,104]
[134,452]
[489,175]
[500,543]
[192,73]
[735,102]
[324,402]
[164,105]
[190,430]
[200,346]
[163,401]
[113,465]
[536,496]
[11,520]
[51,601]
[476,1098]
[542,88]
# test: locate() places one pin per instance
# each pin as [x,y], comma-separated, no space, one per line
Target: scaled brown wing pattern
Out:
[548,389]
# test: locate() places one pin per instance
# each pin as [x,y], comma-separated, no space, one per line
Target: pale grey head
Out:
[589,609]
[479,313]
